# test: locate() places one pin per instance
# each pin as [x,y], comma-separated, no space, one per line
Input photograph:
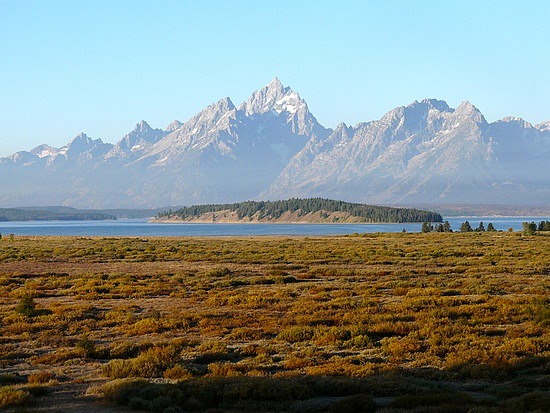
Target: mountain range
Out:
[272,147]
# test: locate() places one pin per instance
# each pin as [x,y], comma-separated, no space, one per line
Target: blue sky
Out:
[102,66]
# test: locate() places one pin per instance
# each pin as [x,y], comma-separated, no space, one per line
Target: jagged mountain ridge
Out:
[272,147]
[425,152]
[222,154]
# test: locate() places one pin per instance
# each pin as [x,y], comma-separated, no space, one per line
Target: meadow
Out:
[435,322]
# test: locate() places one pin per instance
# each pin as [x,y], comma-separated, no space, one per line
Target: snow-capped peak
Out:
[290,103]
[517,120]
[544,126]
[44,151]
[273,146]
[273,97]
[275,83]
[265,99]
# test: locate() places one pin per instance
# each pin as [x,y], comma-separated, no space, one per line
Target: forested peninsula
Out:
[311,210]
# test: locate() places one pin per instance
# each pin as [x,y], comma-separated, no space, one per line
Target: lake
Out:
[142,228]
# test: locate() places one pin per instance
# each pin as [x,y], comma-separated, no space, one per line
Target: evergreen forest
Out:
[274,210]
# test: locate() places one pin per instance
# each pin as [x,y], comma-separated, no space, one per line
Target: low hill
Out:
[311,210]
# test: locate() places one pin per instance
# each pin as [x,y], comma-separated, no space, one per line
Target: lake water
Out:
[142,228]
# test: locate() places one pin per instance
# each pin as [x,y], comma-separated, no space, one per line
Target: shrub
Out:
[296,334]
[126,350]
[13,397]
[37,390]
[444,399]
[139,394]
[40,377]
[530,402]
[118,369]
[287,279]
[26,306]
[540,309]
[86,347]
[120,391]
[253,389]
[150,363]
[178,372]
[218,272]
[359,403]
[220,369]
[11,378]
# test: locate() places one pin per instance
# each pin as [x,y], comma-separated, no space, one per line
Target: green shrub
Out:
[86,347]
[140,394]
[27,306]
[126,350]
[540,309]
[152,362]
[14,397]
[218,272]
[118,369]
[296,334]
[120,391]
[11,378]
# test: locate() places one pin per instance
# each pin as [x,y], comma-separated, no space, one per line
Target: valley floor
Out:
[380,322]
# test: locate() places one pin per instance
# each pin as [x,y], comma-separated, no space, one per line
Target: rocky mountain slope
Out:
[272,147]
[425,152]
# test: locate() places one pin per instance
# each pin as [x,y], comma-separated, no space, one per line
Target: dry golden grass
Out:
[217,322]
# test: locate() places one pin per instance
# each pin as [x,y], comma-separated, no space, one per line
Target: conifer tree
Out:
[466,227]
[529,228]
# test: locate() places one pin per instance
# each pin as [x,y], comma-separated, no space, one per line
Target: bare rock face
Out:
[136,142]
[425,152]
[271,146]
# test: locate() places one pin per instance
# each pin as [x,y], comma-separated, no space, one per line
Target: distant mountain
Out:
[425,152]
[272,147]
[137,142]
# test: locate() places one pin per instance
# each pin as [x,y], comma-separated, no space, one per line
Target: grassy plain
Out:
[379,322]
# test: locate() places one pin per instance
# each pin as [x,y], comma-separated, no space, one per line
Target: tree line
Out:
[528,228]
[16,214]
[464,227]
[274,210]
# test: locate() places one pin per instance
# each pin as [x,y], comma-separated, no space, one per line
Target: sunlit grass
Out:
[384,315]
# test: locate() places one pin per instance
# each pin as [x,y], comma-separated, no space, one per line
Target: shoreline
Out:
[194,222]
